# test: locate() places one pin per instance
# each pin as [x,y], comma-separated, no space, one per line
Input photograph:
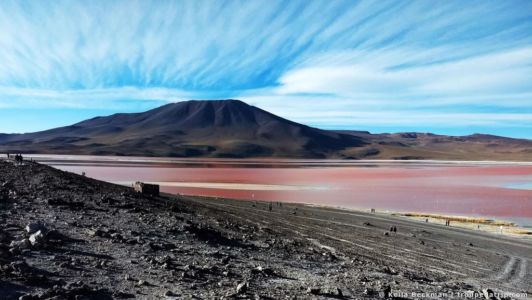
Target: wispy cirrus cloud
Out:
[86,98]
[365,61]
[395,73]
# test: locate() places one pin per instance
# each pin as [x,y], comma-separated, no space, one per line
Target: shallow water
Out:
[494,190]
[520,185]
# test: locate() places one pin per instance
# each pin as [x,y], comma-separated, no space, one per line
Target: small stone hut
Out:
[146,189]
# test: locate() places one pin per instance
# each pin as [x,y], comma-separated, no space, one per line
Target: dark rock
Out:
[123,295]
[61,202]
[369,292]
[4,237]
[170,294]
[489,294]
[34,227]
[97,232]
[20,267]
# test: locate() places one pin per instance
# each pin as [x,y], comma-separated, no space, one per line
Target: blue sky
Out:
[450,67]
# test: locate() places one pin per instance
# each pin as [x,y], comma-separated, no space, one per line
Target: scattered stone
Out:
[37,239]
[20,267]
[225,260]
[141,283]
[389,271]
[22,244]
[96,232]
[489,294]
[171,294]
[242,287]
[34,227]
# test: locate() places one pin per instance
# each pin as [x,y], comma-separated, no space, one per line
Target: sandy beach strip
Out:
[471,223]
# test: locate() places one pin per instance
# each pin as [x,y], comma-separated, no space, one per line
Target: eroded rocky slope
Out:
[64,236]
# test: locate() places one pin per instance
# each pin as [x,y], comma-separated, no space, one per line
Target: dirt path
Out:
[472,256]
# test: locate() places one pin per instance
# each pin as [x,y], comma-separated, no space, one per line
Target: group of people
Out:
[17,157]
[279,204]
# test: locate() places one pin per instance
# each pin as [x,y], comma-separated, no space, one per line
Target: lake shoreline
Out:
[259,160]
[509,229]
[456,188]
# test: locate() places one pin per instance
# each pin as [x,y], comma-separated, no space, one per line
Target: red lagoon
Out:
[497,190]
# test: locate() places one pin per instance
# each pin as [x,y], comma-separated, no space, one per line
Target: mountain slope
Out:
[414,145]
[220,128]
[232,128]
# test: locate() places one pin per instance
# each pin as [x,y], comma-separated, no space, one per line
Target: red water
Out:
[458,189]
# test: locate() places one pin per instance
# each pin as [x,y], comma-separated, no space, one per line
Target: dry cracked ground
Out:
[64,236]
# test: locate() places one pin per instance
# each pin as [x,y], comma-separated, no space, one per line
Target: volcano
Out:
[214,128]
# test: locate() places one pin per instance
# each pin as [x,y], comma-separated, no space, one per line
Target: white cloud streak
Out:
[382,60]
[508,72]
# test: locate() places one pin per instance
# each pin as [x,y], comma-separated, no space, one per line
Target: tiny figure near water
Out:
[19,158]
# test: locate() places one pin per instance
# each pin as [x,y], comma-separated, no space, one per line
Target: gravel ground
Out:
[64,236]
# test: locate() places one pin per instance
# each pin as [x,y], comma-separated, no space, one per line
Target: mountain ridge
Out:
[232,128]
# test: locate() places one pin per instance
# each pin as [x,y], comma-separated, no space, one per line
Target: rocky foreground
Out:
[64,236]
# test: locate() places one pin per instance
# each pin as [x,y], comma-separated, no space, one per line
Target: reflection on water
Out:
[520,186]
[457,188]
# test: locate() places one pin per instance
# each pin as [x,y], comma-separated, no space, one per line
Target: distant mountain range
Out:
[234,129]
